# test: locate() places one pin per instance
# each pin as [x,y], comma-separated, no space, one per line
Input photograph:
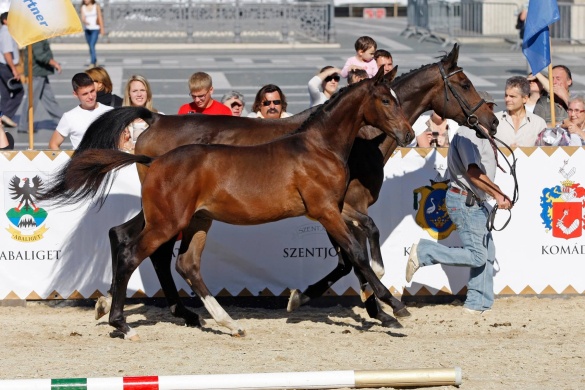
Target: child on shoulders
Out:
[365,47]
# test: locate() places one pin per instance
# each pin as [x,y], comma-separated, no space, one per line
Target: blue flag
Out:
[536,44]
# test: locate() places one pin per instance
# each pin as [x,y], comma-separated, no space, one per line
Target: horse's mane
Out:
[400,79]
[325,106]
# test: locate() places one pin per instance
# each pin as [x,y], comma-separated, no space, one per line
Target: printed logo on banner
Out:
[27,219]
[562,207]
[432,213]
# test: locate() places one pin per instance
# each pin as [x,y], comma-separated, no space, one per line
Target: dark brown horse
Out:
[304,173]
[442,87]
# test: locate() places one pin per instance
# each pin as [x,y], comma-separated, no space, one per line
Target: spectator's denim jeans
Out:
[478,251]
[91,36]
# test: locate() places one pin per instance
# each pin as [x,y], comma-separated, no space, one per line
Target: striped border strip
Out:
[285,380]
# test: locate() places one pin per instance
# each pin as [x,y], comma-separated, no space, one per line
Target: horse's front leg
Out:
[298,299]
[189,267]
[365,223]
[341,234]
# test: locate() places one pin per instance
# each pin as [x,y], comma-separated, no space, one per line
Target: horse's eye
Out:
[466,86]
[385,102]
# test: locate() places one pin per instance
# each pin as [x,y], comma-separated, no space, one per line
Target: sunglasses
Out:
[329,78]
[236,104]
[266,103]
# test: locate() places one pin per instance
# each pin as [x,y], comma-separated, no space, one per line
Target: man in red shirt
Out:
[201,90]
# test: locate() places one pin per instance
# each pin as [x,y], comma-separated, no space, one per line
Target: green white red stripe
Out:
[280,380]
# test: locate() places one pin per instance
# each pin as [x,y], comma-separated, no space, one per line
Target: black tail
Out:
[105,131]
[83,177]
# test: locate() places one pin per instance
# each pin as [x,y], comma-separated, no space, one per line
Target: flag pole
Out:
[30,100]
[551,87]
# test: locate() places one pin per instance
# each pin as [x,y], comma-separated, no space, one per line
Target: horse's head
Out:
[456,98]
[382,109]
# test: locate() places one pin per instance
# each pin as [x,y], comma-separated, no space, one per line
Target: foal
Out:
[305,173]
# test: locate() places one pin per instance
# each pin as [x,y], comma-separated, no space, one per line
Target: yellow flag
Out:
[31,21]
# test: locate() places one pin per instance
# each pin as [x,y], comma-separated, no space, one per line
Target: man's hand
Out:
[504,202]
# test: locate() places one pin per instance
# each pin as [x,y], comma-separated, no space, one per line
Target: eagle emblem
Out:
[27,217]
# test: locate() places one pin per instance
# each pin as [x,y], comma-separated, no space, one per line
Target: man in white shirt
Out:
[518,127]
[74,123]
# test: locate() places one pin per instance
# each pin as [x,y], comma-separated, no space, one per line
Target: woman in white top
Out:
[323,85]
[93,24]
[137,93]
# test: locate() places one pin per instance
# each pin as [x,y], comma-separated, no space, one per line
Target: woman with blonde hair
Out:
[137,93]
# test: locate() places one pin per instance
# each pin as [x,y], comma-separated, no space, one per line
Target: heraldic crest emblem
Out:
[26,218]
[432,214]
[562,207]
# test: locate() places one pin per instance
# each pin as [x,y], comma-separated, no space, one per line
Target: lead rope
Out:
[473,122]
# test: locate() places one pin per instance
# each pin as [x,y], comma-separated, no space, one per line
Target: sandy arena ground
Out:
[524,343]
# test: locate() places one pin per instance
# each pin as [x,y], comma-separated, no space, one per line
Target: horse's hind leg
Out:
[119,236]
[161,260]
[189,267]
[130,257]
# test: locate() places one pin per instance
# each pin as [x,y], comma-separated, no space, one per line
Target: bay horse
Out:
[304,173]
[442,87]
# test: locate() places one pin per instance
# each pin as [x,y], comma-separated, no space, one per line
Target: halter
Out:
[469,112]
[473,122]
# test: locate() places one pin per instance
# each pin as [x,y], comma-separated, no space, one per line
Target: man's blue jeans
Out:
[478,250]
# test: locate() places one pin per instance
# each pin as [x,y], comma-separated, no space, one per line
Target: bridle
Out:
[471,119]
[473,122]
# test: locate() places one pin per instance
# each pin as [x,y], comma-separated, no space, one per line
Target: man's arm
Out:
[3,139]
[56,141]
[10,63]
[481,181]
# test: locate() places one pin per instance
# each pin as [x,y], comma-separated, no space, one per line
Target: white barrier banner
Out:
[53,253]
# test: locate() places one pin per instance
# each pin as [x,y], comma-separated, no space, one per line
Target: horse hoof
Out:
[239,333]
[131,335]
[402,312]
[134,338]
[102,307]
[392,323]
[294,301]
[195,322]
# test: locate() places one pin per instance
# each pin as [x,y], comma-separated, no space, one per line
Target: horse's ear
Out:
[389,77]
[379,77]
[451,58]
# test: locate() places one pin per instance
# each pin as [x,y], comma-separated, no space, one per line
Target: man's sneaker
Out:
[467,310]
[412,265]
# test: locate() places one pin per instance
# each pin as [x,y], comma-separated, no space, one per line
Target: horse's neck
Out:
[336,126]
[413,92]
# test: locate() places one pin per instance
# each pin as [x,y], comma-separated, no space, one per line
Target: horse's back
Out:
[171,131]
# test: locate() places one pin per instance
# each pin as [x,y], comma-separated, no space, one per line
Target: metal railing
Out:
[446,21]
[239,21]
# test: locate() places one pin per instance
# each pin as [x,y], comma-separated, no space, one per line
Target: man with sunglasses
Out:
[323,85]
[270,103]
[201,88]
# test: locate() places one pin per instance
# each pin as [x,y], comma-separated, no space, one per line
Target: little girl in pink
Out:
[364,57]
